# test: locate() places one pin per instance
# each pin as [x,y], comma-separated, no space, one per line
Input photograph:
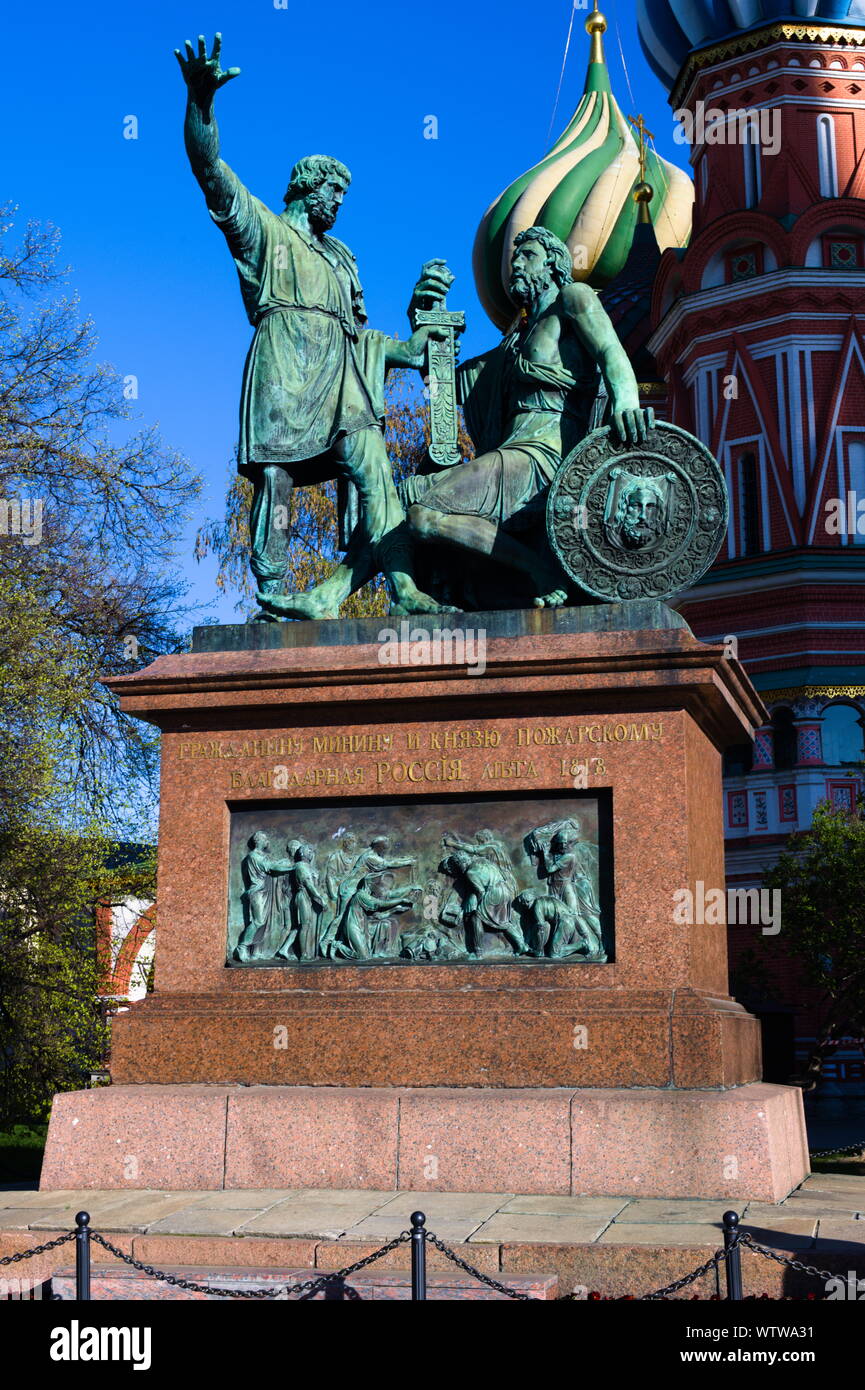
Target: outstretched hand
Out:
[202,75]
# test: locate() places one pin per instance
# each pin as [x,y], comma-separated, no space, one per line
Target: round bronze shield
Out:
[637,520]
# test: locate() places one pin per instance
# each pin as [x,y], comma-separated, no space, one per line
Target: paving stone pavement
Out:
[827,1207]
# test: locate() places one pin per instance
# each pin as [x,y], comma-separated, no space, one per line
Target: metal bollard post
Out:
[82,1256]
[734,1257]
[418,1257]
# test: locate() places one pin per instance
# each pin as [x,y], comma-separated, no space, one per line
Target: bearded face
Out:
[530,274]
[323,204]
[641,519]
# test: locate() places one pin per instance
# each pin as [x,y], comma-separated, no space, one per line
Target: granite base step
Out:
[746,1143]
[366,1285]
[615,1245]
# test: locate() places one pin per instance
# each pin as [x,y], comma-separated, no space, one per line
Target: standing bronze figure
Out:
[312,401]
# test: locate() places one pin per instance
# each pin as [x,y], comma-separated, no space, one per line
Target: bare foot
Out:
[555,599]
[297,606]
[411,600]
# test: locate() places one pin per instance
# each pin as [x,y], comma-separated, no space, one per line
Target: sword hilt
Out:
[438,315]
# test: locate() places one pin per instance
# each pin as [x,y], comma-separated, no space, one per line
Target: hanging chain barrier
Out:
[716,1260]
[825,1274]
[854,1150]
[37,1250]
[476,1273]
[728,1258]
[306,1290]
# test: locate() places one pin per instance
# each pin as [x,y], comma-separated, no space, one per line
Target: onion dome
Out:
[669,29]
[582,191]
[628,296]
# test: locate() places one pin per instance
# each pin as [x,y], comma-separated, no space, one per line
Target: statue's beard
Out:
[636,534]
[321,214]
[526,288]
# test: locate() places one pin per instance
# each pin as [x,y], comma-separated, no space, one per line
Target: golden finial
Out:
[642,132]
[643,195]
[643,191]
[595,27]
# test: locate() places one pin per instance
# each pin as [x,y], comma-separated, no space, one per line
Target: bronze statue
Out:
[490,847]
[527,403]
[312,401]
[555,929]
[312,410]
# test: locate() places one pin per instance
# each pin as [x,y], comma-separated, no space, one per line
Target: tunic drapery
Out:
[523,417]
[313,371]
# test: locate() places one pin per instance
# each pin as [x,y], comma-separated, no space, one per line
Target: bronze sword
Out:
[441,379]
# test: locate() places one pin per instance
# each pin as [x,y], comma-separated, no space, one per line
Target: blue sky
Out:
[353,81]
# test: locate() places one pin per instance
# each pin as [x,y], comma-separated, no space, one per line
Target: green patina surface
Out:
[458,536]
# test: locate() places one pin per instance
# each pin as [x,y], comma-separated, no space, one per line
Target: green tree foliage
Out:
[87,591]
[820,879]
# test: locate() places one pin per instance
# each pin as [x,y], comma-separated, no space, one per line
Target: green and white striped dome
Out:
[582,190]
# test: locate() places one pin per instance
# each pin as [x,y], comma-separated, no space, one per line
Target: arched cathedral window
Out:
[751,155]
[749,505]
[856,486]
[842,735]
[826,162]
[784,731]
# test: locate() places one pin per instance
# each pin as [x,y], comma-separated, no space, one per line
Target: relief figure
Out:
[262,901]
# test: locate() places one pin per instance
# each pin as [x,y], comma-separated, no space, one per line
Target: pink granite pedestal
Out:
[746,1143]
[637,1075]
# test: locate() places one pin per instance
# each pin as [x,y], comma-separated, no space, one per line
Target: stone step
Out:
[367,1284]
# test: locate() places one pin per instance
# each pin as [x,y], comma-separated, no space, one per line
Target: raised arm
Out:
[203,77]
[594,328]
